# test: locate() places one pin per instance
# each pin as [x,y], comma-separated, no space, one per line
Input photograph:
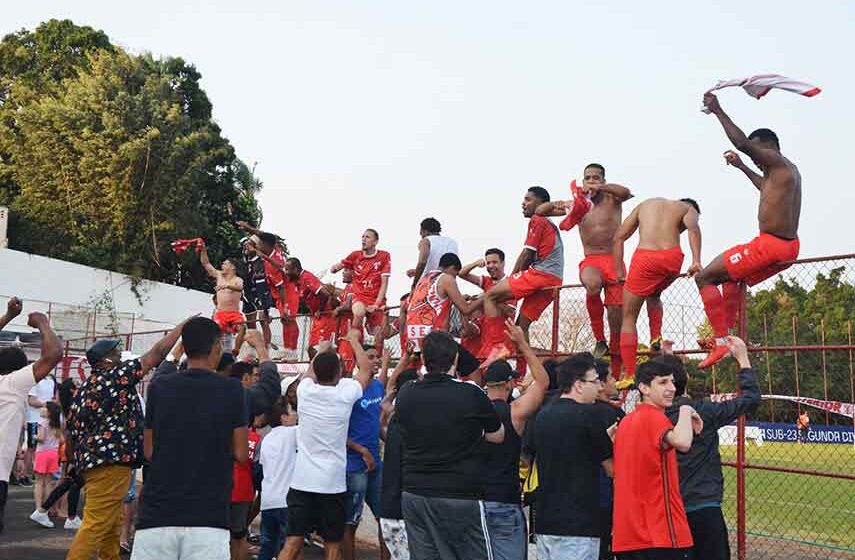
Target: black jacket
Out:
[701,479]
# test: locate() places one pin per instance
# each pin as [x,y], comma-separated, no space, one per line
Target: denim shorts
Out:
[555,547]
[131,494]
[363,488]
[506,528]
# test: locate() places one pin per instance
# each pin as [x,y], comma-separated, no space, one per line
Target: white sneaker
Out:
[73,523]
[42,519]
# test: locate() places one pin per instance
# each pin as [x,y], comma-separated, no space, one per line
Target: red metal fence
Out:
[783,499]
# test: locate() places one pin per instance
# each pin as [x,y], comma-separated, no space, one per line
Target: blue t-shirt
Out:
[364,427]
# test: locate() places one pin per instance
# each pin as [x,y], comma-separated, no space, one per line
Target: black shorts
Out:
[253,302]
[32,432]
[657,554]
[308,511]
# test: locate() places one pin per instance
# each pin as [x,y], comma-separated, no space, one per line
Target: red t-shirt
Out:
[648,508]
[308,286]
[243,490]
[367,272]
[275,277]
[487,282]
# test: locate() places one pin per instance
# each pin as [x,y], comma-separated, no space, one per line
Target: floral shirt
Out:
[107,418]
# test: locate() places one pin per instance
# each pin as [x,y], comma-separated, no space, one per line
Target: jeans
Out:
[186,543]
[274,530]
[363,487]
[506,528]
[102,514]
[555,547]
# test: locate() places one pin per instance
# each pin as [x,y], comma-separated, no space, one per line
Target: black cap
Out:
[499,371]
[100,349]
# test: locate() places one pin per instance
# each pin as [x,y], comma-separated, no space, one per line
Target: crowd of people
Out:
[449,447]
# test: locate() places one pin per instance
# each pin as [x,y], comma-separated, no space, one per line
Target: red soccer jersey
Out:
[308,286]
[275,277]
[487,282]
[648,508]
[367,272]
[243,490]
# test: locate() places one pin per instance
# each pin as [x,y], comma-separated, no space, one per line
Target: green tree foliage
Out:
[105,157]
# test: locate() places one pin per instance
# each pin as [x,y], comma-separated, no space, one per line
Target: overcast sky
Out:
[378,114]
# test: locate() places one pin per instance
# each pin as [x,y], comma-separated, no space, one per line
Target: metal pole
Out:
[741,545]
[796,364]
[824,372]
[768,369]
[851,376]
[556,311]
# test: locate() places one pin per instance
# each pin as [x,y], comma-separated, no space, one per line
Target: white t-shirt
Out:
[13,405]
[44,392]
[278,456]
[324,412]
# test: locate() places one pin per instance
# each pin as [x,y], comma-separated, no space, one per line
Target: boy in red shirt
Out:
[649,518]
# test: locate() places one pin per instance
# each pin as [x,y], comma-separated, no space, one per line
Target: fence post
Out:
[556,311]
[740,445]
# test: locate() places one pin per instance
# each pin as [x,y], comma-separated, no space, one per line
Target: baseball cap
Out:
[499,371]
[286,383]
[100,349]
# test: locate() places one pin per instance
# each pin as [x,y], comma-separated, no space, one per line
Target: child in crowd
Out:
[278,455]
[46,464]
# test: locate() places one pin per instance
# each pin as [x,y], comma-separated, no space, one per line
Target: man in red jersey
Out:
[371,270]
[769,253]
[649,518]
[539,267]
[494,263]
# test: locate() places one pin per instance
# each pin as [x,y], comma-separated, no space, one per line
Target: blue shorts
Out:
[131,494]
[363,488]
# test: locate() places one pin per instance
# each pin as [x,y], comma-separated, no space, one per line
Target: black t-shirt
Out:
[192,415]
[570,443]
[390,493]
[254,278]
[501,478]
[442,423]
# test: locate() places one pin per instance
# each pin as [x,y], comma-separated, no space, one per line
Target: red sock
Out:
[614,349]
[628,351]
[290,335]
[731,293]
[595,313]
[714,306]
[654,317]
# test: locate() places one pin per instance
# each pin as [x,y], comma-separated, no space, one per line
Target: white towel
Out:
[761,84]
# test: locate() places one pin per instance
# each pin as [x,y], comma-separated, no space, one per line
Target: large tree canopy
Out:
[106,157]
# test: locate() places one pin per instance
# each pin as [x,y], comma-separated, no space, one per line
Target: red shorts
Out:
[532,286]
[228,321]
[323,328]
[606,265]
[762,257]
[651,271]
[372,320]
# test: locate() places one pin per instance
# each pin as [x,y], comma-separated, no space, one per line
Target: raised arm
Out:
[530,401]
[363,363]
[552,208]
[466,272]
[691,222]
[749,391]
[624,232]
[763,157]
[732,158]
[424,254]
[13,309]
[248,228]
[51,347]
[206,263]
[161,348]
[621,193]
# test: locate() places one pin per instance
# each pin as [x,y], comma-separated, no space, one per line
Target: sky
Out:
[381,113]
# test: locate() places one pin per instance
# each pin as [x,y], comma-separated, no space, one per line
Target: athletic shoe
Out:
[707,343]
[656,344]
[25,481]
[72,523]
[601,349]
[625,383]
[715,356]
[42,519]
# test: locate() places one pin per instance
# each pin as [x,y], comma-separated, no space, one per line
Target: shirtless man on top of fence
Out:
[770,252]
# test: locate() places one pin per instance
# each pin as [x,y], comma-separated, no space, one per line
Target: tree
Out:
[108,157]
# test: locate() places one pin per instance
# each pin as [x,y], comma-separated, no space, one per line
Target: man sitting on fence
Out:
[701,480]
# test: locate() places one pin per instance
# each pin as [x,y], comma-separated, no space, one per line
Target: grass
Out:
[796,508]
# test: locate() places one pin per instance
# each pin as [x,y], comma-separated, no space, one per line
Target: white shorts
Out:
[187,543]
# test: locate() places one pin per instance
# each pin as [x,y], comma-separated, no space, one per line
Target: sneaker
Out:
[42,519]
[656,344]
[25,481]
[72,523]
[601,349]
[625,383]
[719,352]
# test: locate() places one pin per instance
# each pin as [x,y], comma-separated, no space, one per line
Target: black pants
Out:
[72,486]
[606,533]
[4,492]
[658,554]
[444,528]
[709,533]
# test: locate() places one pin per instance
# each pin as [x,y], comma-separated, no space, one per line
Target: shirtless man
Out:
[371,270]
[770,252]
[228,293]
[656,262]
[539,267]
[494,263]
[431,301]
[597,272]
